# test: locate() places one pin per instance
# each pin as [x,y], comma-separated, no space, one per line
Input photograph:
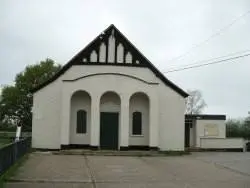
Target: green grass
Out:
[7,134]
[13,134]
[5,141]
[8,137]
[12,170]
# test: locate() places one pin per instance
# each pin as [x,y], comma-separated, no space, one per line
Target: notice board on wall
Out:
[211,130]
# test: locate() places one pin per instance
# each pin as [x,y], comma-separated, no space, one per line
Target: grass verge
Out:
[5,141]
[12,170]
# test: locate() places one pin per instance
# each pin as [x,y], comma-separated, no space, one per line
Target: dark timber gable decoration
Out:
[111,47]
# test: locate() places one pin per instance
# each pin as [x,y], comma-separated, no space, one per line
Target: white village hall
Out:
[109,96]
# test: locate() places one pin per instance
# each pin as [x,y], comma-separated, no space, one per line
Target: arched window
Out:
[81,122]
[137,124]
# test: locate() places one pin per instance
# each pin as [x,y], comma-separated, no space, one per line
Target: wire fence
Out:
[10,153]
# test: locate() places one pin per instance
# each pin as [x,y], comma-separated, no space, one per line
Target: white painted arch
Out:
[139,102]
[110,101]
[80,100]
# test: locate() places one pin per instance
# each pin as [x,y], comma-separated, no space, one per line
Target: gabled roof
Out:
[93,54]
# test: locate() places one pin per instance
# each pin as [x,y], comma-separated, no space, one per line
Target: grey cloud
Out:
[30,31]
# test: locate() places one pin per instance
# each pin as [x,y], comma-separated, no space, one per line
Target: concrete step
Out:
[118,153]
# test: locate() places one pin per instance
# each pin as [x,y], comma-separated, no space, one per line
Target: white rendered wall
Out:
[166,113]
[200,129]
[123,86]
[221,143]
[46,117]
[171,117]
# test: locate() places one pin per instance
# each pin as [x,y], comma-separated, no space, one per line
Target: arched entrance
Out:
[109,120]
[139,120]
[80,115]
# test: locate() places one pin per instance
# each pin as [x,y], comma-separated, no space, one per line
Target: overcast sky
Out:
[31,31]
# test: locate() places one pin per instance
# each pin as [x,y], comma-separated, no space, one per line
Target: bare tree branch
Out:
[195,102]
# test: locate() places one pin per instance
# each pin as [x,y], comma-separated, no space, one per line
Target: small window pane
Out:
[81,121]
[137,124]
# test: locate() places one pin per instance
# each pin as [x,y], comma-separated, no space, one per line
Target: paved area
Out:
[200,170]
[238,161]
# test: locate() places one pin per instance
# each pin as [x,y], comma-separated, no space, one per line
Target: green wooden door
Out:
[109,130]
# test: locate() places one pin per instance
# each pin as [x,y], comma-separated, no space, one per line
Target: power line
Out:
[203,61]
[206,64]
[212,36]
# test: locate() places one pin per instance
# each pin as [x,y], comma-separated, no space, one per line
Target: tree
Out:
[238,128]
[16,103]
[194,102]
[234,128]
[246,128]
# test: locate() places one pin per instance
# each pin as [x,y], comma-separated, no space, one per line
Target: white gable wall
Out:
[46,119]
[49,102]
[171,118]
